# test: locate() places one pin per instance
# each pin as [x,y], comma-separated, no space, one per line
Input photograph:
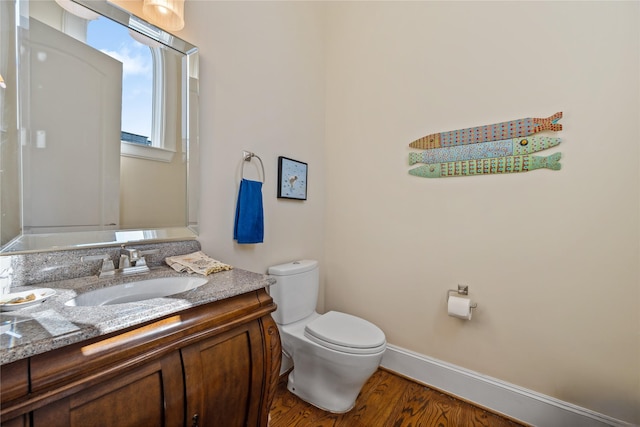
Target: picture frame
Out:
[292,179]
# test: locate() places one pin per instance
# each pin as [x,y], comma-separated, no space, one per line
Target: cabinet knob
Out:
[195,420]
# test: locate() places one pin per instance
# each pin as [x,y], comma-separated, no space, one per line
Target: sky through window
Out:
[137,68]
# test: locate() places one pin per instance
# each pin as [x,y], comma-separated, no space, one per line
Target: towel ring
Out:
[247,156]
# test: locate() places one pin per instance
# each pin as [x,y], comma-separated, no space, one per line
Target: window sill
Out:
[146,152]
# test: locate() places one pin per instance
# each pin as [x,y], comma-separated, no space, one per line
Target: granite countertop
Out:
[52,324]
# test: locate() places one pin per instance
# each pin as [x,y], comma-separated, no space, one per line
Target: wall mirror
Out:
[99,128]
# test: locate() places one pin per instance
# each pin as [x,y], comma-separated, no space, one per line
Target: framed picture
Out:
[292,179]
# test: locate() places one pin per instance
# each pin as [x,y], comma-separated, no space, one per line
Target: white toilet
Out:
[333,354]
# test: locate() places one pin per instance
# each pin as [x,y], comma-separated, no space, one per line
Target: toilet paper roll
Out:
[459,307]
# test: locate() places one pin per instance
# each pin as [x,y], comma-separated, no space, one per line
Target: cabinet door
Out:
[150,395]
[15,384]
[224,378]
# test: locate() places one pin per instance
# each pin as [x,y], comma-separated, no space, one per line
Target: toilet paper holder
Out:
[462,290]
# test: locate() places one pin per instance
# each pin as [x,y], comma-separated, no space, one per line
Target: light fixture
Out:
[77,10]
[168,14]
[2,84]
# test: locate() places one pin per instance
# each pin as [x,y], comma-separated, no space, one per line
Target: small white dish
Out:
[18,298]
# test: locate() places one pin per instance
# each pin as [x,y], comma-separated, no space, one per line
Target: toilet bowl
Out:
[327,374]
[333,354]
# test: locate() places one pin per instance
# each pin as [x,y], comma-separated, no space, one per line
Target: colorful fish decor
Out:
[495,132]
[494,165]
[507,147]
[492,149]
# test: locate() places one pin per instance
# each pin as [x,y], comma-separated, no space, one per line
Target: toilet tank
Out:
[295,291]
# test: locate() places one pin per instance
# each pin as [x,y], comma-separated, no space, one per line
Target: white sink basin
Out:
[137,291]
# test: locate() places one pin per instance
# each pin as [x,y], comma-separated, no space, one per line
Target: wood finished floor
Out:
[387,400]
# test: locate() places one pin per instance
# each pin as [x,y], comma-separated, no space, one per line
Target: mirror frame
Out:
[28,243]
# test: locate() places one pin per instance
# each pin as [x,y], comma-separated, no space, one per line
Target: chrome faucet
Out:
[132,260]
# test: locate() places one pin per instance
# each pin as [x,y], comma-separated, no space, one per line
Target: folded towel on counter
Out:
[249,223]
[197,262]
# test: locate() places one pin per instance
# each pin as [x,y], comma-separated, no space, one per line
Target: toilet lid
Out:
[344,332]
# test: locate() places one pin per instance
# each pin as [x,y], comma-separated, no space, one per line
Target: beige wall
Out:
[550,257]
[261,90]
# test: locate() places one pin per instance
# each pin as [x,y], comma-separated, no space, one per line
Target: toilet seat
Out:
[345,333]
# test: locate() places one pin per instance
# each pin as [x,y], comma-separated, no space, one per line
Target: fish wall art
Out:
[492,149]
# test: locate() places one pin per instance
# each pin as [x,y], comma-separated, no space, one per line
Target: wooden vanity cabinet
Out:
[212,365]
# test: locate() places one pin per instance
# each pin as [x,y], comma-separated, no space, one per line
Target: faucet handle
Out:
[148,252]
[86,258]
[107,269]
[141,256]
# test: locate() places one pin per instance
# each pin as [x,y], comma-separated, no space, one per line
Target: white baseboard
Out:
[513,401]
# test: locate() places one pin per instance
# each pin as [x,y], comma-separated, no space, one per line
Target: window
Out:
[151,73]
[143,91]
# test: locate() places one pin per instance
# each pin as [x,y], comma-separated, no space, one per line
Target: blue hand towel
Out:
[249,224]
